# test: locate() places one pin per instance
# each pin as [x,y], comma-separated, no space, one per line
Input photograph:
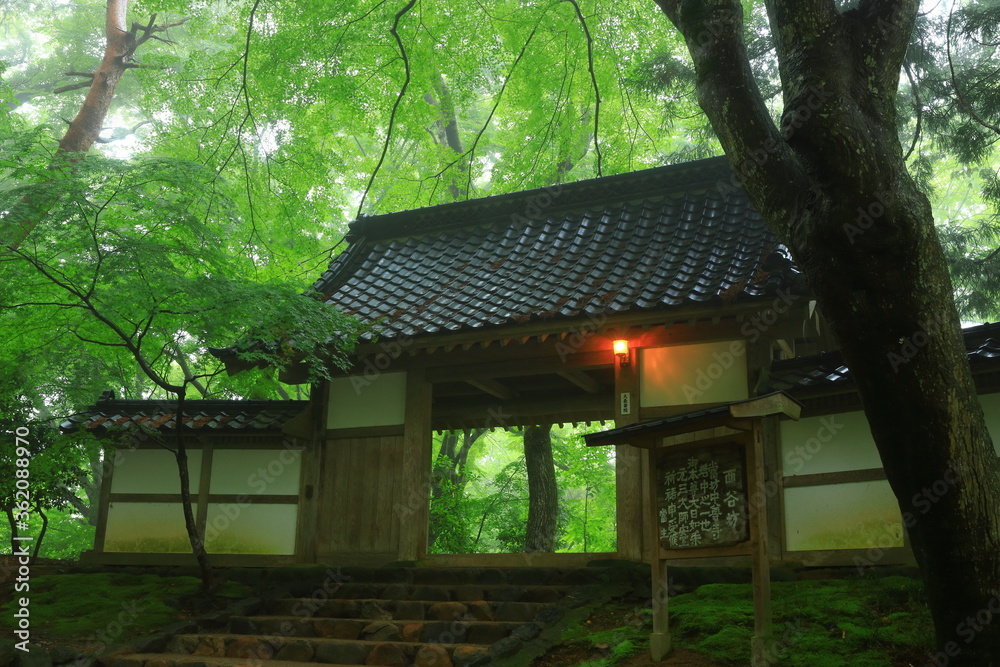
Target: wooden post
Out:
[104,504]
[659,638]
[760,568]
[629,477]
[417,449]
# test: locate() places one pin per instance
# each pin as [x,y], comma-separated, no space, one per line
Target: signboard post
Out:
[701,507]
[706,479]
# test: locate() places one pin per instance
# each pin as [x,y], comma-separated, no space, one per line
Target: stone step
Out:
[410,610]
[316,649]
[457,576]
[463,630]
[185,660]
[443,592]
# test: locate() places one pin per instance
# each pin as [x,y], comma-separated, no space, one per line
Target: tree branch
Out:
[965,106]
[395,107]
[730,97]
[593,80]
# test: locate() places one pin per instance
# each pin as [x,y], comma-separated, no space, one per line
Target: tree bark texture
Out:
[543,498]
[831,182]
[83,131]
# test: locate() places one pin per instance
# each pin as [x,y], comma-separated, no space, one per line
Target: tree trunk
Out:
[41,533]
[120,46]
[197,544]
[447,134]
[543,499]
[13,530]
[832,183]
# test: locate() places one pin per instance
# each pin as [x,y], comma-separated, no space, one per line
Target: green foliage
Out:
[489,512]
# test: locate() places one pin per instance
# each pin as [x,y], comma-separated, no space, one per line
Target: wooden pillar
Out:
[104,503]
[774,488]
[313,438]
[760,566]
[659,638]
[629,469]
[417,450]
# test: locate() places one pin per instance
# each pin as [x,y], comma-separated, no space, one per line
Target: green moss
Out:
[106,608]
[861,621]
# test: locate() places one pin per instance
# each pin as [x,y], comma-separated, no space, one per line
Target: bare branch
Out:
[72,86]
[395,107]
[593,80]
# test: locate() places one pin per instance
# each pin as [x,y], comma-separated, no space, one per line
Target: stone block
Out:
[432,655]
[387,655]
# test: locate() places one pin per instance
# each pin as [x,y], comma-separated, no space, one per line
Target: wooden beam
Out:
[494,388]
[842,477]
[771,404]
[501,367]
[492,412]
[581,380]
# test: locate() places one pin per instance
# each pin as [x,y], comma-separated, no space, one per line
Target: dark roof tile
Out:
[658,238]
[225,416]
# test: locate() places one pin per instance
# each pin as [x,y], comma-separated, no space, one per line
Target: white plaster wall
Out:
[146,528]
[255,471]
[859,515]
[239,528]
[991,406]
[359,401]
[693,374]
[833,443]
[152,471]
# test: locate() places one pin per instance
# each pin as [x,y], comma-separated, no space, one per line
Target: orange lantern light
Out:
[621,351]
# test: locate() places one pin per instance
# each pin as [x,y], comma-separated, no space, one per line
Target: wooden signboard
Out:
[702,497]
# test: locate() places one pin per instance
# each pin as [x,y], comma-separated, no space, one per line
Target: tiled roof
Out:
[226,416]
[649,240]
[827,370]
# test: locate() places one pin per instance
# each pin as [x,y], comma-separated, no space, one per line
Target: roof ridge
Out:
[542,202]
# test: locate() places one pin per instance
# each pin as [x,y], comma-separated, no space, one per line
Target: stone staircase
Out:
[394,617]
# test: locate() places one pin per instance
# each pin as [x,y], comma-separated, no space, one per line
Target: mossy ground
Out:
[106,608]
[863,622]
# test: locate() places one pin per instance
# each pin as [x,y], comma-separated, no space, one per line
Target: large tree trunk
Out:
[543,498]
[120,46]
[833,185]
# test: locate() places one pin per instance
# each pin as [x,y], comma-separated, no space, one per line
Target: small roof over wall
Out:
[219,416]
[732,415]
[653,240]
[827,373]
